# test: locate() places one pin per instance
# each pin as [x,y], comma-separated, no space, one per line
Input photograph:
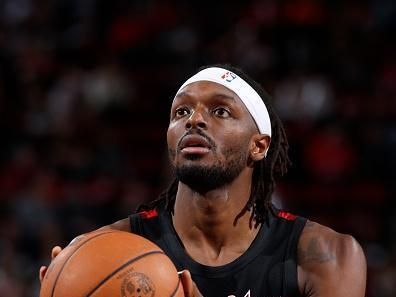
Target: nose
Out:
[196,120]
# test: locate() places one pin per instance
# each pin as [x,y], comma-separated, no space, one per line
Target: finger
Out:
[43,270]
[55,251]
[185,277]
[189,287]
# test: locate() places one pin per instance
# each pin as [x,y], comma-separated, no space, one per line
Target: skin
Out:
[213,225]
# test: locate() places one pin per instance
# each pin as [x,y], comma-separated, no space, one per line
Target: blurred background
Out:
[85,91]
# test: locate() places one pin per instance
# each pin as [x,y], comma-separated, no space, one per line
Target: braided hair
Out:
[265,171]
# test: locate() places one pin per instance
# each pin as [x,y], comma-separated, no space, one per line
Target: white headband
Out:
[245,92]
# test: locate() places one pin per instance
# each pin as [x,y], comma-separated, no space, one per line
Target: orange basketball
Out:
[111,264]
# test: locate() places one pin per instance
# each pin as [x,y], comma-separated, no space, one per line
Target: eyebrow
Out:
[216,95]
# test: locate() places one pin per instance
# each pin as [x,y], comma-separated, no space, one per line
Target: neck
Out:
[217,219]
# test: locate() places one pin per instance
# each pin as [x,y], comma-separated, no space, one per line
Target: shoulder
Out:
[319,243]
[125,224]
[121,225]
[330,263]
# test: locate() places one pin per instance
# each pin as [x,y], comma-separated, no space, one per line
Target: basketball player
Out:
[216,220]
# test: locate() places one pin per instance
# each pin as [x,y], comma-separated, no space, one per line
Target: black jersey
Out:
[267,269]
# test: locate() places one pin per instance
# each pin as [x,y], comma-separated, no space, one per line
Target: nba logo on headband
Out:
[229,76]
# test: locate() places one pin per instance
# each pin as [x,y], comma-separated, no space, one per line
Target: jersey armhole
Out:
[290,270]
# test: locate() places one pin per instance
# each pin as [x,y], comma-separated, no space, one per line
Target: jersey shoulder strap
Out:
[146,223]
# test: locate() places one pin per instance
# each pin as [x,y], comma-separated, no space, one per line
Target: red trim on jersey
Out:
[148,214]
[287,215]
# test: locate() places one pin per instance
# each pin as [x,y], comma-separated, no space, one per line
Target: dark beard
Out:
[203,178]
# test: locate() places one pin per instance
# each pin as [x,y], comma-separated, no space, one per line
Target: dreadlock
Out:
[265,172]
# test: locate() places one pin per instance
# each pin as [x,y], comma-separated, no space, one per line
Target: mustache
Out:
[197,132]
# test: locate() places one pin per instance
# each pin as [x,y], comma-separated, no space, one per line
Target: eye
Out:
[221,112]
[181,112]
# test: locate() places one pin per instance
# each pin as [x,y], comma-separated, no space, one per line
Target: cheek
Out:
[235,140]
[171,137]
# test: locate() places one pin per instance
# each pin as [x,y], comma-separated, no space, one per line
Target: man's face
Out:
[209,136]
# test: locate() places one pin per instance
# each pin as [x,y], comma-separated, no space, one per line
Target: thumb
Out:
[189,287]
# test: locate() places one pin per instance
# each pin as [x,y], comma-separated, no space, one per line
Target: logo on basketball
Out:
[137,284]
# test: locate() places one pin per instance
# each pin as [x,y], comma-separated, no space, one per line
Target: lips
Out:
[194,144]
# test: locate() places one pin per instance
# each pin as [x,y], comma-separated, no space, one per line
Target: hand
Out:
[43,269]
[189,287]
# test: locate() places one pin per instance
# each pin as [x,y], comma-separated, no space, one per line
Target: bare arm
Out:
[330,263]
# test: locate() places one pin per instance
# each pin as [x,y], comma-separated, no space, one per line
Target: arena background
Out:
[85,91]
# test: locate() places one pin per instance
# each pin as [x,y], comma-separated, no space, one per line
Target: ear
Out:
[259,144]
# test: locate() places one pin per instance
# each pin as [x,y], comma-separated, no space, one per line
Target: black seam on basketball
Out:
[120,268]
[67,260]
[177,287]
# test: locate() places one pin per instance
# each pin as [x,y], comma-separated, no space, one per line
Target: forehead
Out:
[206,90]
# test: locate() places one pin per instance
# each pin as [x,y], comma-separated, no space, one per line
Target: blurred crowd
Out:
[85,91]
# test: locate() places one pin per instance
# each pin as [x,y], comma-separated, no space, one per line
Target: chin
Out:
[202,177]
[193,157]
[197,162]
